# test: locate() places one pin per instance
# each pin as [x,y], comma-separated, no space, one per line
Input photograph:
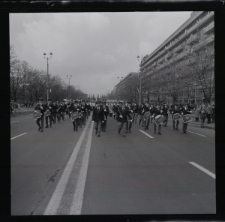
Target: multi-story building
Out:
[176,54]
[126,87]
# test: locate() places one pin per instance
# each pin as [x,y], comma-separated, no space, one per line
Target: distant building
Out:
[123,90]
[196,34]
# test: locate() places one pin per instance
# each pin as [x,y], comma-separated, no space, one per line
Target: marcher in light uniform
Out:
[157,111]
[185,111]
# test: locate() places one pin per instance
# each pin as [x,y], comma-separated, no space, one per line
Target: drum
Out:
[36,114]
[159,119]
[74,115]
[176,116]
[186,119]
[48,113]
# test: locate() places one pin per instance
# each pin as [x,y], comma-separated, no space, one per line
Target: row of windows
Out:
[207,29]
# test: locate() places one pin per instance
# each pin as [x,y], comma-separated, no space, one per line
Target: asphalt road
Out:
[64,172]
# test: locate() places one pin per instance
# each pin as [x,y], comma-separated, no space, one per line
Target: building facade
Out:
[127,88]
[183,58]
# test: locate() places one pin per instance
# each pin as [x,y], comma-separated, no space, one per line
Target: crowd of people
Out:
[124,113]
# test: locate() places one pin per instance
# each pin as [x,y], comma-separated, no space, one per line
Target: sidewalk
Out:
[193,122]
[21,111]
[206,125]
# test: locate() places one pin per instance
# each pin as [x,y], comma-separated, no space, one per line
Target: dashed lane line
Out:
[76,206]
[146,134]
[203,169]
[60,188]
[197,134]
[18,136]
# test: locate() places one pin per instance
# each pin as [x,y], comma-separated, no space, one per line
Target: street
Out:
[62,172]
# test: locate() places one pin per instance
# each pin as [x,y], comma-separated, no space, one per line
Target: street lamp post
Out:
[69,76]
[45,57]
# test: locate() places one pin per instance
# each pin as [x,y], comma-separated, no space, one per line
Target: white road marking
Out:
[197,133]
[79,193]
[203,169]
[14,122]
[60,188]
[18,136]
[146,134]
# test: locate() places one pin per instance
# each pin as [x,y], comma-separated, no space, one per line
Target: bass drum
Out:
[36,114]
[159,120]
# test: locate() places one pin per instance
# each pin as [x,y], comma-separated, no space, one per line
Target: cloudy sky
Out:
[95,48]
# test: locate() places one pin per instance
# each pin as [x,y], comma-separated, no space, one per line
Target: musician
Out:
[165,114]
[74,109]
[58,108]
[151,112]
[129,118]
[115,106]
[98,118]
[106,113]
[135,112]
[69,107]
[140,113]
[157,111]
[175,110]
[41,108]
[84,112]
[63,110]
[54,112]
[146,116]
[203,114]
[80,119]
[88,106]
[48,107]
[122,117]
[185,111]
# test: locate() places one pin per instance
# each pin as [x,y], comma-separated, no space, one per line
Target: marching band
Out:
[125,114]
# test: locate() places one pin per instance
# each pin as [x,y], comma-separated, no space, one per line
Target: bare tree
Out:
[201,64]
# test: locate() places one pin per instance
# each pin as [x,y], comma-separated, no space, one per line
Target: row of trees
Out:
[194,73]
[28,84]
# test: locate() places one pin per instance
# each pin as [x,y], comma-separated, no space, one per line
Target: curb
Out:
[196,124]
[20,113]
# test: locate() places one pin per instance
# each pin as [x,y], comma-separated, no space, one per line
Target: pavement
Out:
[63,172]
[198,124]
[21,111]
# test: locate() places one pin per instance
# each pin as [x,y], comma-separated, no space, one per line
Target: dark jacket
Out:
[165,110]
[98,114]
[157,112]
[125,114]
[41,108]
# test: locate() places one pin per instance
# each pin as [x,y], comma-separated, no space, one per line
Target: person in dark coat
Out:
[122,118]
[40,121]
[157,111]
[106,113]
[49,117]
[165,114]
[98,118]
[175,110]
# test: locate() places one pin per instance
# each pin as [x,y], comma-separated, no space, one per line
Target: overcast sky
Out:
[95,48]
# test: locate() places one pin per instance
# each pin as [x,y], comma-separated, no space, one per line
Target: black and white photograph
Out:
[112,113]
